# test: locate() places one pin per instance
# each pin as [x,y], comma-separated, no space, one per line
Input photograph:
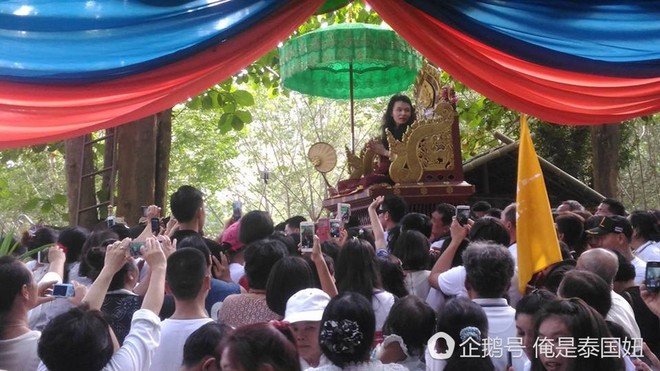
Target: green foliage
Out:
[568,147]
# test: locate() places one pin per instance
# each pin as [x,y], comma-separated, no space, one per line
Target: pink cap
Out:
[230,237]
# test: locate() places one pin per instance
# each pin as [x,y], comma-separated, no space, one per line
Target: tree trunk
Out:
[164,142]
[143,163]
[73,155]
[606,143]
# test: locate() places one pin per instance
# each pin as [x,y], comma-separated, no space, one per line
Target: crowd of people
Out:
[412,292]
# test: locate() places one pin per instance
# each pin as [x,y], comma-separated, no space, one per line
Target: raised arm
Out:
[116,255]
[443,264]
[376,227]
[153,254]
[327,283]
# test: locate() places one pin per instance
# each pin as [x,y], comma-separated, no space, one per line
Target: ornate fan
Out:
[324,158]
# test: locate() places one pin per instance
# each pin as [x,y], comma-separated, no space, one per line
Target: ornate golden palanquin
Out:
[426,164]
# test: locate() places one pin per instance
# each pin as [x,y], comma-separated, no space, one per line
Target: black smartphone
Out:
[653,276]
[462,214]
[155,225]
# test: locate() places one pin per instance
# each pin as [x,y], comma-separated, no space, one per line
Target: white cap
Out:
[306,305]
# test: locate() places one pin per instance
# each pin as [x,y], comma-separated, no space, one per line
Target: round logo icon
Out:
[448,341]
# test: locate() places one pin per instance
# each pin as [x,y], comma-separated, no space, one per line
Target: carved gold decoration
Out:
[361,165]
[427,89]
[450,190]
[425,146]
[423,191]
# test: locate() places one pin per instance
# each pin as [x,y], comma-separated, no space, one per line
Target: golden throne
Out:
[426,164]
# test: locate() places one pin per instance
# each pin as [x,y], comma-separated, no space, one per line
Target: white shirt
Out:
[236,271]
[640,270]
[20,353]
[139,345]
[501,325]
[365,366]
[382,302]
[169,355]
[622,313]
[649,252]
[513,249]
[417,283]
[452,282]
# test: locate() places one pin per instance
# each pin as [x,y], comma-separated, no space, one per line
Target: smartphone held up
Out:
[306,236]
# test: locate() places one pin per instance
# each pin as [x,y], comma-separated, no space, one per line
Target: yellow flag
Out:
[536,237]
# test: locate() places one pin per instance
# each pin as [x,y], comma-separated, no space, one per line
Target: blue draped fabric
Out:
[613,38]
[73,41]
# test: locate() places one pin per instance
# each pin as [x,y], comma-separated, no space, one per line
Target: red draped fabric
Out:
[53,112]
[550,94]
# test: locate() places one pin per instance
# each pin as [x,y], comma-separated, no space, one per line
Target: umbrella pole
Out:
[350,76]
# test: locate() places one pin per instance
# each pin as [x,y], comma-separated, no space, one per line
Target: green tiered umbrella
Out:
[348,61]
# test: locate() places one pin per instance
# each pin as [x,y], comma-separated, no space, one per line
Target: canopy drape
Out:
[73,66]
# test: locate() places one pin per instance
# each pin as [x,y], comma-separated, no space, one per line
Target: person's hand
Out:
[153,254]
[651,298]
[221,268]
[317,254]
[651,356]
[376,203]
[79,291]
[343,236]
[116,255]
[378,147]
[457,231]
[640,365]
[168,245]
[43,289]
[172,226]
[55,254]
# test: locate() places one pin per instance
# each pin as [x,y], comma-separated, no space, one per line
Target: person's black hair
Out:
[185,273]
[456,315]
[41,237]
[572,228]
[589,287]
[73,239]
[582,322]
[357,268]
[95,258]
[121,230]
[615,206]
[417,222]
[205,341]
[531,303]
[290,241]
[353,221]
[626,271]
[481,206]
[185,202]
[96,261]
[646,225]
[494,212]
[329,262]
[260,256]
[255,225]
[330,248]
[413,320]
[195,241]
[280,226]
[446,212]
[95,239]
[252,346]
[395,206]
[412,248]
[361,233]
[289,275]
[76,340]
[294,221]
[392,276]
[388,122]
[488,268]
[347,329]
[489,229]
[556,274]
[13,275]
